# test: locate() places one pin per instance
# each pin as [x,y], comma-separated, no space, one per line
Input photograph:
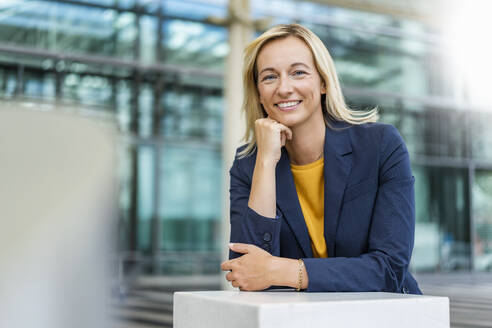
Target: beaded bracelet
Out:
[299,280]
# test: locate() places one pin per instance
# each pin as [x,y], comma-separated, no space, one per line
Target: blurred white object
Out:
[289,309]
[57,205]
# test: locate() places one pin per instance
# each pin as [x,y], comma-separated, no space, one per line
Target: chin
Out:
[289,121]
[283,121]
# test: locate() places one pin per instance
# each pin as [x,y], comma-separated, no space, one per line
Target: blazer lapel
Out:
[288,202]
[337,166]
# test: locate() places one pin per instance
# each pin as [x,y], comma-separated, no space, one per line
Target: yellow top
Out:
[310,183]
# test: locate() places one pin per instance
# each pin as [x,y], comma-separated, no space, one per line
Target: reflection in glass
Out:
[123,105]
[442,220]
[195,9]
[8,82]
[481,135]
[190,204]
[145,201]
[195,44]
[482,215]
[39,84]
[148,39]
[87,89]
[192,113]
[70,28]
[145,111]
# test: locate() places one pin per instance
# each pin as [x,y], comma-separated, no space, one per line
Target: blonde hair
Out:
[333,103]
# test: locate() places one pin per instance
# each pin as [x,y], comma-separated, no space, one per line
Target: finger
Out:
[284,129]
[282,138]
[275,123]
[229,276]
[234,283]
[226,266]
[287,131]
[240,248]
[266,121]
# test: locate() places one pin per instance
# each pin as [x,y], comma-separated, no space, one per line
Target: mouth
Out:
[288,105]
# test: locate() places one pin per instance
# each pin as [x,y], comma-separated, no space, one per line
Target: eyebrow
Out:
[299,64]
[292,65]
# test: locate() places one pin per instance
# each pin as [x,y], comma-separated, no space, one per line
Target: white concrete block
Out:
[288,309]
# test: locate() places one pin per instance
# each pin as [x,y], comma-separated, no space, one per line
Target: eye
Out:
[299,73]
[269,77]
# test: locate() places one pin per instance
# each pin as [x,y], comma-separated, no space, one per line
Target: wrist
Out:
[266,162]
[284,272]
[275,266]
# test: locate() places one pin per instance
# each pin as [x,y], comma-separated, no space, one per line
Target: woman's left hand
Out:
[251,271]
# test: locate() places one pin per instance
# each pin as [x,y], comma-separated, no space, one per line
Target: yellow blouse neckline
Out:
[314,164]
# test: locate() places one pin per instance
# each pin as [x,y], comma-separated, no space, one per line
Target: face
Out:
[288,83]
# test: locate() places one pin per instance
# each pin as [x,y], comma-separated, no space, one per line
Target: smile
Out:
[288,105]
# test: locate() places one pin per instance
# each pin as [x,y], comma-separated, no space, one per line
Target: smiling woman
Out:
[289,84]
[321,198]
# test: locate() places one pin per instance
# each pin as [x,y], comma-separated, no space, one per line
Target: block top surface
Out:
[291,297]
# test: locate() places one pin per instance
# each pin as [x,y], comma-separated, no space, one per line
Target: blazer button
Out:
[267,236]
[266,247]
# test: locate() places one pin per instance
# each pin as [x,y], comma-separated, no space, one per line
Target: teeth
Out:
[288,104]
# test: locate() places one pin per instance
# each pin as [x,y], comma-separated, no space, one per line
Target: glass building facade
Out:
[157,69]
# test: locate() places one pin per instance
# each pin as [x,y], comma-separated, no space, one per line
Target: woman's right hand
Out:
[270,138]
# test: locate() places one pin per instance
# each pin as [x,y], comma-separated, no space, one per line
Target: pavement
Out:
[470,296]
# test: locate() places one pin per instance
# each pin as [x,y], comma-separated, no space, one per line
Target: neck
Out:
[307,143]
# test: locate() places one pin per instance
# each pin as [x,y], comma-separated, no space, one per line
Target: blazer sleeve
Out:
[391,234]
[247,226]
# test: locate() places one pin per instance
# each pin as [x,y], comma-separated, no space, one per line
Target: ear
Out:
[323,87]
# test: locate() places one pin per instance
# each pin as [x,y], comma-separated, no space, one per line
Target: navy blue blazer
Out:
[369,212]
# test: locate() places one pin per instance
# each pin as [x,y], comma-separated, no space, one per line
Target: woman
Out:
[321,198]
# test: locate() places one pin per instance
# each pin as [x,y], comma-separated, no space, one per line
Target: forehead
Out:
[283,52]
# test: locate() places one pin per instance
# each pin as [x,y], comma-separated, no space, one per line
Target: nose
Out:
[285,86]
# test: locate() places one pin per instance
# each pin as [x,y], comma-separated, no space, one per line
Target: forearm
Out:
[262,198]
[285,272]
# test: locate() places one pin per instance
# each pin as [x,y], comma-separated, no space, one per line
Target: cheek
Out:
[263,95]
[311,89]
[264,98]
[260,95]
[305,85]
